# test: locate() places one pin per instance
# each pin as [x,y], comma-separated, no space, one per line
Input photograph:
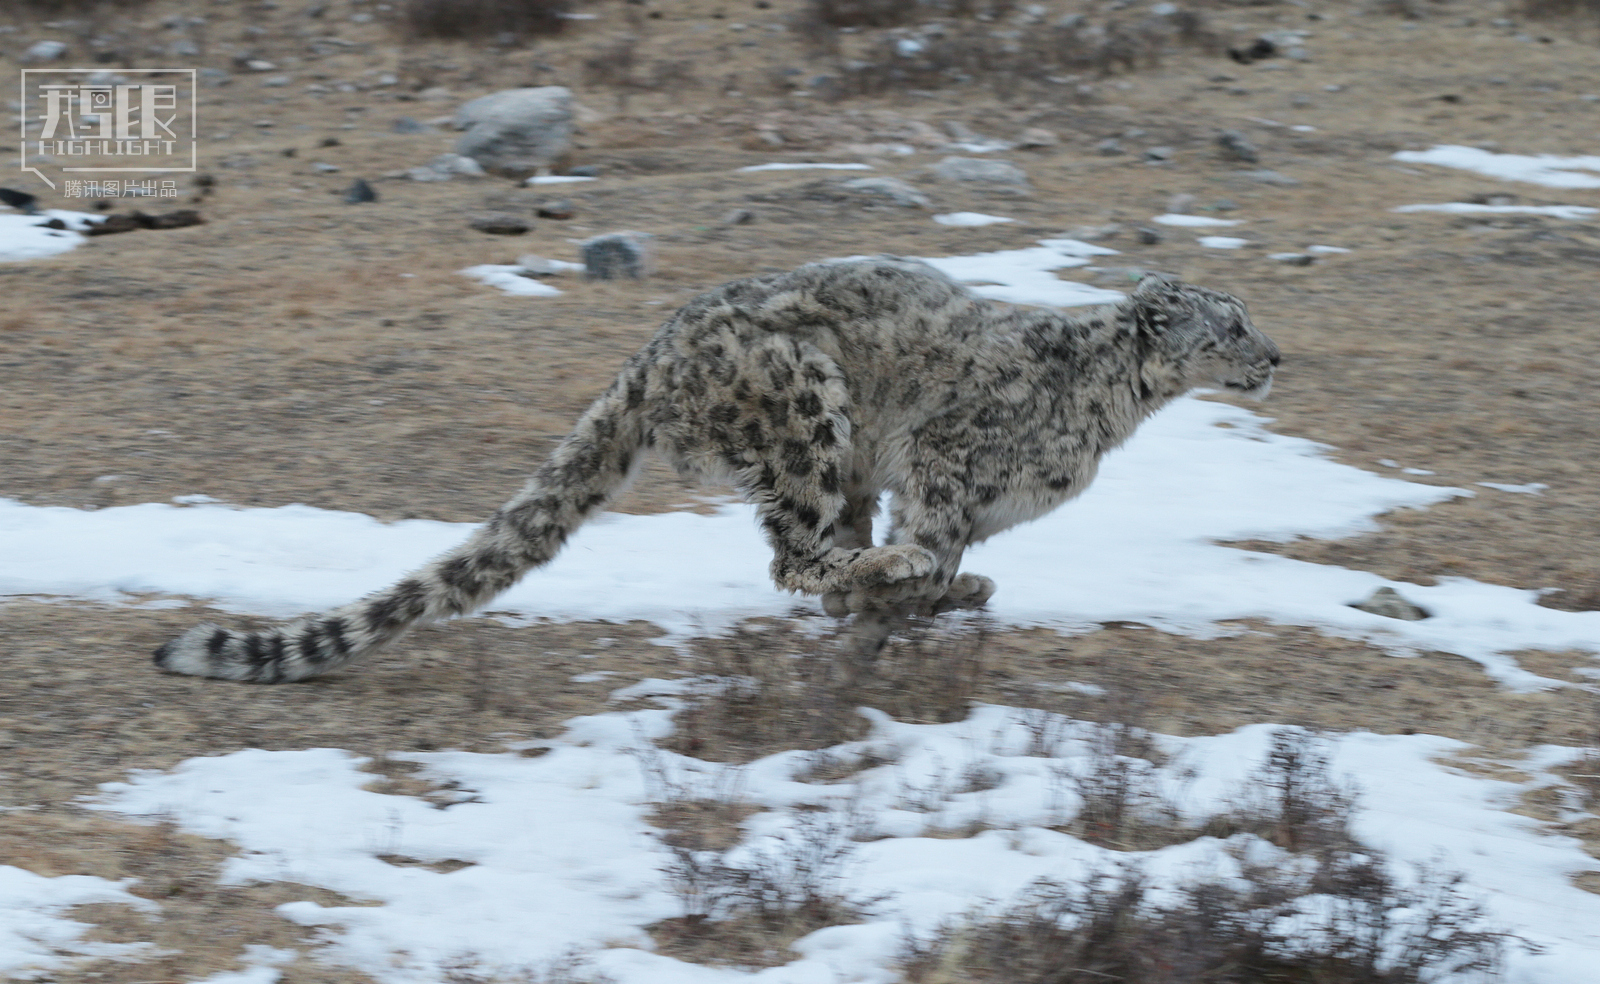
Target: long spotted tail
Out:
[586,470]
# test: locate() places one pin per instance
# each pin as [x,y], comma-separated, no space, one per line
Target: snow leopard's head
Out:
[1204,337]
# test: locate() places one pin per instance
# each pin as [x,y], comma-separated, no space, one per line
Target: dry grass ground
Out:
[297,349]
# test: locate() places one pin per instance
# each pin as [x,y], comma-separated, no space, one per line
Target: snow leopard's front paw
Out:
[882,577]
[912,596]
[878,567]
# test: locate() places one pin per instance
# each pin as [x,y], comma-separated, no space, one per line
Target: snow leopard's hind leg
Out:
[782,431]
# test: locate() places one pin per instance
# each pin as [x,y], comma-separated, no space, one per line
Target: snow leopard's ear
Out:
[1155,302]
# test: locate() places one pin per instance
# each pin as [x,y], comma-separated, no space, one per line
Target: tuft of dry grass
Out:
[1343,920]
[744,907]
[1293,800]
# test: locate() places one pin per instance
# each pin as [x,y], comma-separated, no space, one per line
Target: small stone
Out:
[981,170]
[259,65]
[1094,233]
[406,124]
[1293,259]
[1180,203]
[615,255]
[56,224]
[1158,155]
[214,77]
[322,167]
[113,225]
[1235,147]
[445,167]
[1255,51]
[739,216]
[1109,147]
[329,142]
[22,200]
[584,171]
[276,81]
[1148,236]
[171,220]
[1387,602]
[44,51]
[1036,137]
[1225,205]
[557,209]
[1271,178]
[501,224]
[893,189]
[359,192]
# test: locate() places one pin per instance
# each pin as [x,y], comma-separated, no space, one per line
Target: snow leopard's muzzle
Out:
[1255,379]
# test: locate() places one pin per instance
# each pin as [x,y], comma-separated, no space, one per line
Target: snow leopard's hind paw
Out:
[966,591]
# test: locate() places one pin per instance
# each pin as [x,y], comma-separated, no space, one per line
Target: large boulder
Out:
[517,132]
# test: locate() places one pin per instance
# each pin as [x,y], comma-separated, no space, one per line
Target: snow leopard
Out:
[814,392]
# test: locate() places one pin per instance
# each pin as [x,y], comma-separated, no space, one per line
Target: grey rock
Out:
[584,171]
[1234,146]
[1271,178]
[518,131]
[1095,233]
[407,124]
[501,224]
[1036,137]
[276,81]
[556,208]
[1149,236]
[1388,602]
[739,216]
[1109,147]
[322,167]
[616,255]
[445,167]
[1158,155]
[214,77]
[359,192]
[44,51]
[893,189]
[1293,259]
[981,170]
